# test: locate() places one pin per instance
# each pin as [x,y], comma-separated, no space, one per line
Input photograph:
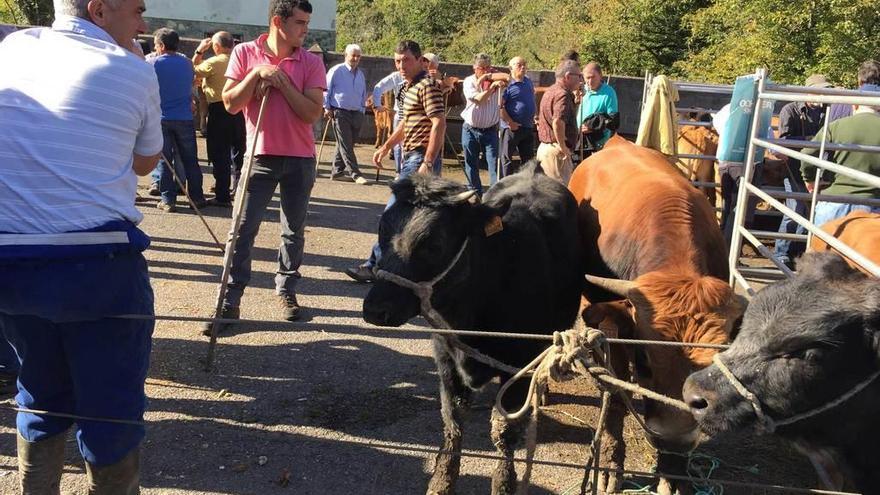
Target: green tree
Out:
[36,12]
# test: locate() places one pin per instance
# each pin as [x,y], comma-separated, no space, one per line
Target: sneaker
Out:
[166,207]
[290,309]
[229,313]
[340,176]
[154,190]
[361,180]
[362,274]
[222,204]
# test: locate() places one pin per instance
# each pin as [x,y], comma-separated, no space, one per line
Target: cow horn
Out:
[467,196]
[613,285]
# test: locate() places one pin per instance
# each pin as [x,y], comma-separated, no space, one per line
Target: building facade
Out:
[245,19]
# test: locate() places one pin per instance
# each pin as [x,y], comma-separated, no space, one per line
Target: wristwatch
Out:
[199,53]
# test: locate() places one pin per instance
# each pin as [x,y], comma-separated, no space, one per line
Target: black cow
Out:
[517,269]
[804,343]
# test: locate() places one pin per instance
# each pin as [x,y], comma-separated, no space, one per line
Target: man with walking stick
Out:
[275,65]
[479,133]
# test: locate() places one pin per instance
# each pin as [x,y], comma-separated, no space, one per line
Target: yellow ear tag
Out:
[494,226]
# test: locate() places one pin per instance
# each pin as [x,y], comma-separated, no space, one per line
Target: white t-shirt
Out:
[74,107]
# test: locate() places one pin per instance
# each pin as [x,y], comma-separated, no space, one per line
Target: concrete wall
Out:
[236,12]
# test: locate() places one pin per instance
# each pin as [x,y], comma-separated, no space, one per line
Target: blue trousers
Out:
[784,249]
[72,360]
[475,140]
[180,139]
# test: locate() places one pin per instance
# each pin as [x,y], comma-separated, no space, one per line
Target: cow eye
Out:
[810,355]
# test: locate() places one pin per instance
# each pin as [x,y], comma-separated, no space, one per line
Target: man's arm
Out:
[307,105]
[143,165]
[507,118]
[237,94]
[435,142]
[394,139]
[385,85]
[200,51]
[479,96]
[559,134]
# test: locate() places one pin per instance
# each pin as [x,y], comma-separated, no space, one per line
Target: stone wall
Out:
[244,32]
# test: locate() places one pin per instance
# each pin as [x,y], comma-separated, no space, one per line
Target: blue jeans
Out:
[180,137]
[827,211]
[296,176]
[475,140]
[786,250]
[73,360]
[411,162]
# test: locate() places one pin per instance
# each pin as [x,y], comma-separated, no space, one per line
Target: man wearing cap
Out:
[797,121]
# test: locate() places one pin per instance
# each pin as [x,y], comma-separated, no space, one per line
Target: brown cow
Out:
[382,116]
[643,223]
[859,230]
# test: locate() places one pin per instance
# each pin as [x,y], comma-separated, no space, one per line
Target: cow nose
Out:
[695,398]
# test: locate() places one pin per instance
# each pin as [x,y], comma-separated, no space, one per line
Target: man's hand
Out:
[329,114]
[263,87]
[513,126]
[204,45]
[499,84]
[585,127]
[272,75]
[424,168]
[379,155]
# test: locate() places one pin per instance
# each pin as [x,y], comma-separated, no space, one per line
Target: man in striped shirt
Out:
[481,114]
[76,134]
[421,130]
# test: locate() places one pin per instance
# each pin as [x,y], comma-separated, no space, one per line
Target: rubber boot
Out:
[122,478]
[40,465]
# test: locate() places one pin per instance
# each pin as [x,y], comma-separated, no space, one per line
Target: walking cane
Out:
[191,202]
[321,150]
[500,132]
[240,196]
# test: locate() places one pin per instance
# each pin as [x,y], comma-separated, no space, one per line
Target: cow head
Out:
[679,308]
[420,235]
[803,343]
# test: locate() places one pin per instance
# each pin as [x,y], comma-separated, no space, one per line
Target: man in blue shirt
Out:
[598,114]
[175,74]
[344,103]
[517,118]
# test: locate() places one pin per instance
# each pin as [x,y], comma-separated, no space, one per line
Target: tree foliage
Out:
[35,12]
[708,40]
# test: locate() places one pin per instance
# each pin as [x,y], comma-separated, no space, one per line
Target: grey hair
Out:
[567,67]
[79,8]
[223,39]
[482,60]
[349,49]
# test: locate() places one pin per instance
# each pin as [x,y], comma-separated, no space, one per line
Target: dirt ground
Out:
[334,408]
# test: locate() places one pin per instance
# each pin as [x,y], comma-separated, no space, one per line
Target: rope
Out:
[6,406]
[404,329]
[768,424]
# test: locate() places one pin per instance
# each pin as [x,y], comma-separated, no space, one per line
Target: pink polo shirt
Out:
[283,132]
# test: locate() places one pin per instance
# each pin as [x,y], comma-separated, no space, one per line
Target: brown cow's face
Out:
[679,309]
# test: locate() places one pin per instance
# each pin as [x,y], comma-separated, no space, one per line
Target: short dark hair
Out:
[284,8]
[571,55]
[869,72]
[409,46]
[168,38]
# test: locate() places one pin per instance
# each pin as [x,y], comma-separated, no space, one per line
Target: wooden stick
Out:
[191,202]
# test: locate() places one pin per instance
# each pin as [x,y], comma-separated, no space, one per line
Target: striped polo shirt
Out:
[480,115]
[68,128]
[423,100]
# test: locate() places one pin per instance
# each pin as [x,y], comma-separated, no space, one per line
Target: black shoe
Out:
[229,313]
[362,274]
[154,190]
[222,204]
[289,307]
[199,204]
[341,176]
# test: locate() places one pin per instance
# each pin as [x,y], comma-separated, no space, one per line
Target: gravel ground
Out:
[334,408]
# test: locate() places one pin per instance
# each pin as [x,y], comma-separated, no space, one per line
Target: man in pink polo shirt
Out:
[295,79]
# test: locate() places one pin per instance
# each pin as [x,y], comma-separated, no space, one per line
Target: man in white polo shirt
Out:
[76,134]
[479,133]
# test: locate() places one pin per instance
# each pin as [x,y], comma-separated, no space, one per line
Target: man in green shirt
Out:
[598,114]
[863,127]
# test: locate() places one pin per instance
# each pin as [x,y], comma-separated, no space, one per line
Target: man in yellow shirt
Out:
[226,132]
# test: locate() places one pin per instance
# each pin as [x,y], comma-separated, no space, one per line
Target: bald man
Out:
[226,132]
[517,118]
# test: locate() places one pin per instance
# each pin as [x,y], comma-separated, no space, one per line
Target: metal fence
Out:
[775,92]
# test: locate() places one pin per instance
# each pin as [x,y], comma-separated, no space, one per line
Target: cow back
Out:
[859,230]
